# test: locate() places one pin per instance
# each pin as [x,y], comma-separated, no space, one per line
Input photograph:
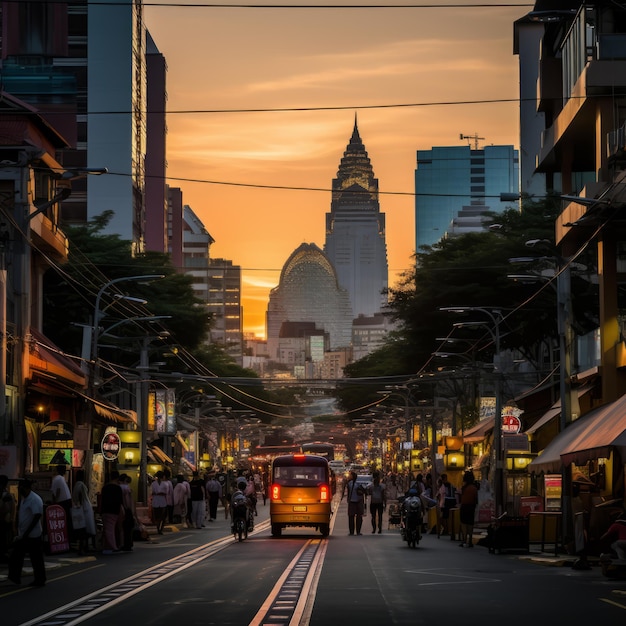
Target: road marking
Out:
[617,604]
[99,601]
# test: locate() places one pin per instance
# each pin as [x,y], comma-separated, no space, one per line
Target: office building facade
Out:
[85,67]
[450,180]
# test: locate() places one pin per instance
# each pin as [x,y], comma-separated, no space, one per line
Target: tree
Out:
[94,260]
[472,270]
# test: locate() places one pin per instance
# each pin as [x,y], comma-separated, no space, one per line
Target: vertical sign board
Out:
[553,488]
[56,525]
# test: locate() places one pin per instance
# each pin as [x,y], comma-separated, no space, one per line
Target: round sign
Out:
[511,424]
[110,446]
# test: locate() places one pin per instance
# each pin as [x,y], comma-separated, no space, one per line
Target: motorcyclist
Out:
[237,497]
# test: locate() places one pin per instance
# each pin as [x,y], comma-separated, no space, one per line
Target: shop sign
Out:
[56,525]
[110,446]
[553,490]
[511,424]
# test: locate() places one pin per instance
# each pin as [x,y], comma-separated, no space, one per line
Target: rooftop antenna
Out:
[475,137]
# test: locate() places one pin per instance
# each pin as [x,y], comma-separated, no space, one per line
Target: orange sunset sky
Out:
[259,176]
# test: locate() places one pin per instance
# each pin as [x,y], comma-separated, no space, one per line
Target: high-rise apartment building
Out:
[84,66]
[355,231]
[449,181]
[217,282]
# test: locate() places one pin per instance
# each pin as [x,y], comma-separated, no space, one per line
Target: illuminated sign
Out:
[110,446]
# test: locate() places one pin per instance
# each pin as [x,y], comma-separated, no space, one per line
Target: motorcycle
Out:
[243,519]
[411,520]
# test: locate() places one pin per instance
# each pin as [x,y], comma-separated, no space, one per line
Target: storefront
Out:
[589,456]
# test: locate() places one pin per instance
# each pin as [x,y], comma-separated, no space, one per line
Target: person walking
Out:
[378,502]
[214,494]
[356,503]
[446,499]
[112,509]
[182,494]
[469,502]
[29,537]
[83,520]
[62,495]
[7,517]
[169,496]
[130,515]
[159,500]
[197,500]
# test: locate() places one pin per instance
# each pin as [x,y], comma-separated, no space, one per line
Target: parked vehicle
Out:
[411,519]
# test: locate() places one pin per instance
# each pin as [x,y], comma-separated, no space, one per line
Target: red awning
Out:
[45,357]
[592,436]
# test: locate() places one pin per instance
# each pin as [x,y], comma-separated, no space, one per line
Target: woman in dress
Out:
[86,529]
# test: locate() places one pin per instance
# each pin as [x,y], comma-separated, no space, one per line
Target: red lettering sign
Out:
[56,525]
[511,424]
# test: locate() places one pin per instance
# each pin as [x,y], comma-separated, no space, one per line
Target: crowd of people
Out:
[443,497]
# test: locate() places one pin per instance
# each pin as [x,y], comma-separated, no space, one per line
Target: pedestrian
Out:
[182,493]
[378,502]
[160,488]
[214,494]
[62,495]
[130,515]
[7,517]
[29,537]
[250,493]
[469,501]
[356,503]
[167,477]
[112,509]
[197,500]
[83,520]
[446,501]
[616,534]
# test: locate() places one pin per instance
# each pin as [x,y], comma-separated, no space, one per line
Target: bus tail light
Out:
[275,492]
[325,493]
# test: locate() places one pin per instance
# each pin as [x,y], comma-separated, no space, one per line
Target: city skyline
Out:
[259,114]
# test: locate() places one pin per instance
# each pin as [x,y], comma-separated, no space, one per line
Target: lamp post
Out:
[496,318]
[98,312]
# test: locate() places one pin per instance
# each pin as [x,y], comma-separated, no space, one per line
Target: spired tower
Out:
[355,231]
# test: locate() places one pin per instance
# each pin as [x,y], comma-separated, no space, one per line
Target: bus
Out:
[300,493]
[327,450]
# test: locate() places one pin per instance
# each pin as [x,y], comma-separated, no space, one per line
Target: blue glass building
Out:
[458,181]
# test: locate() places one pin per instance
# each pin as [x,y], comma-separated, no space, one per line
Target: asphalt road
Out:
[195,577]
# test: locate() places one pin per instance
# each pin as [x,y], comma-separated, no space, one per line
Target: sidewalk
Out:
[211,530]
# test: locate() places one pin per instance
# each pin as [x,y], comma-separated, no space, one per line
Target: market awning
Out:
[478,432]
[590,437]
[44,356]
[160,455]
[113,414]
[555,410]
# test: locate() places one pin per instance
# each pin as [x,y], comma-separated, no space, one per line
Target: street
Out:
[203,576]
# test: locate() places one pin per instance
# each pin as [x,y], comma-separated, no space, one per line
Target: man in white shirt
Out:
[29,537]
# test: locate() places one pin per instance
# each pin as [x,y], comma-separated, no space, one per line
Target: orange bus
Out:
[300,493]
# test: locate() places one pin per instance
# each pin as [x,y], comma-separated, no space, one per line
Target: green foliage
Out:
[468,271]
[94,260]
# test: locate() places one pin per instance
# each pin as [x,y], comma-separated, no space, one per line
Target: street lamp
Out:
[496,318]
[98,312]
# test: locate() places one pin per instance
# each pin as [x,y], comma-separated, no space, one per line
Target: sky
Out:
[262,102]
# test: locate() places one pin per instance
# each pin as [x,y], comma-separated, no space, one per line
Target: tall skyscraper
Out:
[449,181]
[355,231]
[87,73]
